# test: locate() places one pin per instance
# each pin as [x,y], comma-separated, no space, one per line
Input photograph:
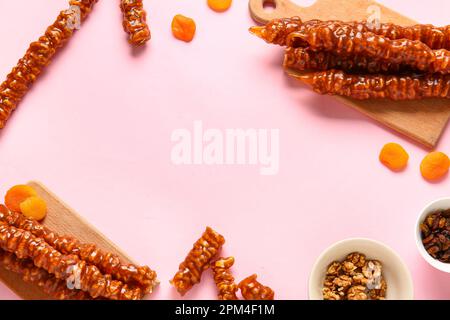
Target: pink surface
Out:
[97,127]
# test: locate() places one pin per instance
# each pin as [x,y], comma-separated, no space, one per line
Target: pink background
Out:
[96,130]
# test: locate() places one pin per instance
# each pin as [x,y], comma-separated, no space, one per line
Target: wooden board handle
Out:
[324,10]
[281,9]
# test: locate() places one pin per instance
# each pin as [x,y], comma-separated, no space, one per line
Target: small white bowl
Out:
[397,275]
[443,203]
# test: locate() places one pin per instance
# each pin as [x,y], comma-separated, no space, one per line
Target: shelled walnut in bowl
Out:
[355,278]
[360,275]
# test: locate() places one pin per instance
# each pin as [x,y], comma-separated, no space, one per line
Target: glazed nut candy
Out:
[60,259]
[224,279]
[302,59]
[362,60]
[198,260]
[378,86]
[108,263]
[277,31]
[202,256]
[65,267]
[251,289]
[135,21]
[344,40]
[41,52]
[48,283]
[38,56]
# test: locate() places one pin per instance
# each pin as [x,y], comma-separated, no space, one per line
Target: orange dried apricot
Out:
[183,28]
[220,5]
[394,156]
[16,195]
[435,165]
[34,208]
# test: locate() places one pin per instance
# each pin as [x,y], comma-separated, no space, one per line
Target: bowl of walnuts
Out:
[433,234]
[360,269]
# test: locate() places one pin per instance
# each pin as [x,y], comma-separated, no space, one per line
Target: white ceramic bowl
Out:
[397,275]
[443,203]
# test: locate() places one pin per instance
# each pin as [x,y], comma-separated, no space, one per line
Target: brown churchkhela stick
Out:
[48,283]
[65,267]
[108,263]
[346,41]
[277,31]
[198,260]
[362,87]
[362,60]
[135,21]
[38,56]
[302,59]
[354,41]
[251,289]
[434,37]
[224,279]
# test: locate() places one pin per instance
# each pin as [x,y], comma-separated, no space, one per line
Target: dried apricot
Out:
[220,5]
[394,156]
[34,208]
[16,195]
[183,28]
[435,165]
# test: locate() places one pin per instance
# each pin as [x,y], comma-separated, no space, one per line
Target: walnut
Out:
[357,293]
[334,269]
[359,279]
[358,259]
[379,294]
[328,282]
[348,267]
[344,282]
[329,294]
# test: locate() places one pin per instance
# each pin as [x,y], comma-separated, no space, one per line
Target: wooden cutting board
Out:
[423,121]
[65,221]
